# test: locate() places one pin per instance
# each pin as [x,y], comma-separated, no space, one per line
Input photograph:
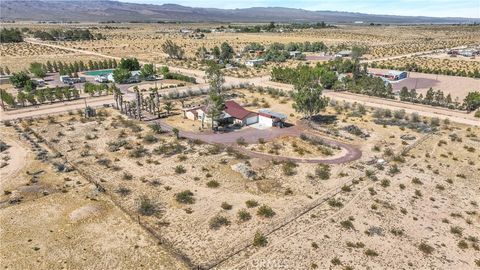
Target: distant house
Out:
[396,75]
[270,118]
[295,54]
[344,53]
[254,62]
[38,82]
[134,77]
[103,78]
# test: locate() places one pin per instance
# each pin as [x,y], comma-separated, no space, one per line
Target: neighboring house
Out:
[295,54]
[397,75]
[254,62]
[344,53]
[103,78]
[391,75]
[134,77]
[270,118]
[39,82]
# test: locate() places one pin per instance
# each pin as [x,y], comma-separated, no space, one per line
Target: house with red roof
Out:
[234,113]
[239,114]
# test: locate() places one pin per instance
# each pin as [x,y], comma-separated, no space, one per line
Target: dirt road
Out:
[252,135]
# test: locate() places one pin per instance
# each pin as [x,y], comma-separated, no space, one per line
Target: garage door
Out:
[265,121]
[252,120]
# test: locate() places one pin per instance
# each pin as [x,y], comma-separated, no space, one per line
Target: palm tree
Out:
[168,107]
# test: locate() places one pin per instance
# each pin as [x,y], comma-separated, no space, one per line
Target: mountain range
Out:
[107,10]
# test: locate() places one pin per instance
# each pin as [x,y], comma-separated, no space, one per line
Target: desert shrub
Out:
[417,181]
[156,128]
[213,184]
[243,215]
[127,176]
[346,188]
[218,221]
[456,230]
[251,203]
[241,141]
[179,169]
[322,171]
[138,152]
[426,248]
[185,197]
[265,211]
[371,252]
[288,168]
[147,208]
[335,203]
[336,261]
[259,240]
[385,183]
[150,138]
[226,206]
[355,245]
[397,232]
[123,191]
[347,224]
[462,244]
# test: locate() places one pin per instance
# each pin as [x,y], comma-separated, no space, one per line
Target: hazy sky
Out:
[436,8]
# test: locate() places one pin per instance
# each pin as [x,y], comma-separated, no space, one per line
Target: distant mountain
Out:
[106,10]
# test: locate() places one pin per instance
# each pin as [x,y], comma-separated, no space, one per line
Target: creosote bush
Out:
[265,211]
[147,208]
[259,240]
[185,197]
[218,221]
[251,203]
[244,215]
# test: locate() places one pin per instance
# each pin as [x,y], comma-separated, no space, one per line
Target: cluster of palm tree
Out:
[149,103]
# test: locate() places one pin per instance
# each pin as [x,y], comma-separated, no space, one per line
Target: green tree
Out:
[22,97]
[11,35]
[216,106]
[308,99]
[328,79]
[226,51]
[129,64]
[168,106]
[7,98]
[201,53]
[147,71]
[40,95]
[37,70]
[215,77]
[121,75]
[404,94]
[472,101]
[19,79]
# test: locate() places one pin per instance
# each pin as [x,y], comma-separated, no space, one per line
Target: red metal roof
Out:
[235,110]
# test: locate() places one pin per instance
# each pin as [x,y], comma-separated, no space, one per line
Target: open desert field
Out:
[206,203]
[144,40]
[65,220]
